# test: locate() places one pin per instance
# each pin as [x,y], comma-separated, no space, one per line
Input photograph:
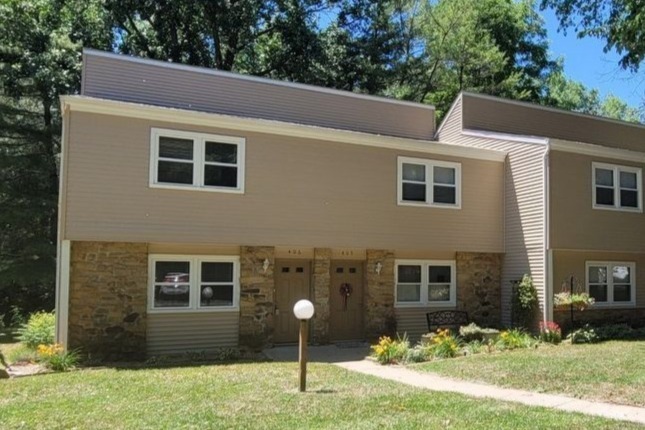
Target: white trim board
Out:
[62,293]
[597,151]
[534,140]
[182,116]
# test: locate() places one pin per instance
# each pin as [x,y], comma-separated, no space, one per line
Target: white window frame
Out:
[610,283]
[616,169]
[195,282]
[429,165]
[199,160]
[424,302]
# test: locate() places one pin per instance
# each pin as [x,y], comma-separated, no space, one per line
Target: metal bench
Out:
[446,319]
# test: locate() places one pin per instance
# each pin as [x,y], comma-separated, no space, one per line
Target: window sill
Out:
[603,306]
[428,205]
[425,305]
[616,209]
[196,188]
[193,311]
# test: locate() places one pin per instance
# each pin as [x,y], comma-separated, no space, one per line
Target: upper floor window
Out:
[429,182]
[181,159]
[190,283]
[611,283]
[425,283]
[617,187]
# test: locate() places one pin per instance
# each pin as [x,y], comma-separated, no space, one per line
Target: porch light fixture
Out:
[303,310]
[378,268]
[265,265]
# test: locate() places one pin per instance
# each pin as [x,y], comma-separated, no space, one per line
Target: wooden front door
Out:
[292,283]
[346,313]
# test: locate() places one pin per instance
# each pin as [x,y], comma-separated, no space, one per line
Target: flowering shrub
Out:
[56,358]
[39,330]
[388,351]
[565,299]
[585,334]
[444,344]
[514,339]
[550,332]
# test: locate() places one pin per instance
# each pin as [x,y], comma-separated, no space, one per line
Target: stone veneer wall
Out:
[479,287]
[634,317]
[257,301]
[321,287]
[379,294]
[108,299]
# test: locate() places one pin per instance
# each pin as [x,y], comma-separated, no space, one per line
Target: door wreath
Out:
[345,291]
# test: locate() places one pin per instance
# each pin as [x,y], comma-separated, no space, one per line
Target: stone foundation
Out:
[479,287]
[257,302]
[634,317]
[321,286]
[379,294]
[107,299]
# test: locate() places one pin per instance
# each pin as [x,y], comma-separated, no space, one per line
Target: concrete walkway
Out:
[354,359]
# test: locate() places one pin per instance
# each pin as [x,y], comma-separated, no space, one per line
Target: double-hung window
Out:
[425,283]
[181,159]
[617,187]
[611,283]
[193,283]
[429,183]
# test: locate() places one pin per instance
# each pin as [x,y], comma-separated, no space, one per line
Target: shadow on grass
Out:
[8,336]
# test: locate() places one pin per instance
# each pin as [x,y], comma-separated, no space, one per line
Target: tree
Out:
[498,47]
[40,45]
[621,23]
[564,93]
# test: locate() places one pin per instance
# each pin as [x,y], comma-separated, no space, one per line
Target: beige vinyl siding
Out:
[172,333]
[119,77]
[575,224]
[572,263]
[298,192]
[451,126]
[505,116]
[412,321]
[524,212]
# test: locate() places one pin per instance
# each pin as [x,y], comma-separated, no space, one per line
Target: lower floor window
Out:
[425,282]
[193,283]
[611,283]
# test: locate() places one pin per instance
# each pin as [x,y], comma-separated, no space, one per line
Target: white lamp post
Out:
[303,310]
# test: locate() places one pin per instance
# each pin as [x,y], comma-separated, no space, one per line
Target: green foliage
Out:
[388,351]
[586,334]
[580,301]
[618,22]
[54,357]
[474,347]
[418,354]
[444,344]
[525,302]
[22,354]
[39,330]
[472,332]
[550,332]
[515,339]
[619,332]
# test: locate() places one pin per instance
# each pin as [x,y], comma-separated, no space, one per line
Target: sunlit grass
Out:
[609,371]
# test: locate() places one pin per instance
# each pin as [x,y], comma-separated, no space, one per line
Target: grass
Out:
[255,395]
[609,371]
[9,345]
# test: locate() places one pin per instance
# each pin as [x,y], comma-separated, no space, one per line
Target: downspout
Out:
[547,311]
[62,246]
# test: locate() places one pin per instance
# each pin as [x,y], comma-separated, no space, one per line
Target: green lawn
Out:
[609,371]
[255,395]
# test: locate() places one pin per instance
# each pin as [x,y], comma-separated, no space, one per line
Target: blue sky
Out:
[585,61]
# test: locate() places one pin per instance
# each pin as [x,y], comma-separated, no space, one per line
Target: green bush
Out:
[39,330]
[472,332]
[56,358]
[525,302]
[515,339]
[444,344]
[550,332]
[417,354]
[388,351]
[473,347]
[586,334]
